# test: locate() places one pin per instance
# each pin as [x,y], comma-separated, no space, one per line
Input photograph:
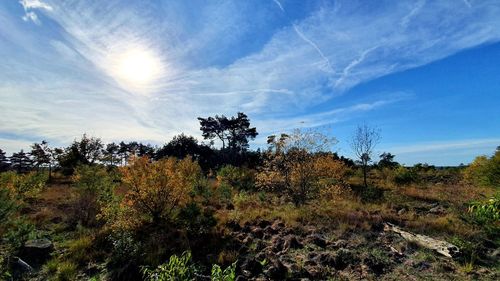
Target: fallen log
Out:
[442,247]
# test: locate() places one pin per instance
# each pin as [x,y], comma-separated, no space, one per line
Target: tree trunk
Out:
[442,247]
[364,175]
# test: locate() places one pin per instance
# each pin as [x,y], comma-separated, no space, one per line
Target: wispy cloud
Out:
[446,145]
[30,6]
[62,79]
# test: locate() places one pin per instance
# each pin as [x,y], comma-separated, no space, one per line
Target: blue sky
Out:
[426,73]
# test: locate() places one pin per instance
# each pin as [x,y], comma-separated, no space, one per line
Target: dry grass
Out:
[348,212]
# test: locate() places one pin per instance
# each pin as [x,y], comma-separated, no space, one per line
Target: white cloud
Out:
[63,84]
[445,145]
[29,6]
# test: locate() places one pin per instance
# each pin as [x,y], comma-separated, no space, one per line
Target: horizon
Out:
[426,74]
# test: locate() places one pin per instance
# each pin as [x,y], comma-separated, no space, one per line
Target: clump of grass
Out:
[60,270]
[79,250]
[227,257]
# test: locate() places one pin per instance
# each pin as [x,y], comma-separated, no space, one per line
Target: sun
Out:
[136,67]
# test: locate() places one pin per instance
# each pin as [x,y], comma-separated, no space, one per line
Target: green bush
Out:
[94,191]
[183,269]
[405,175]
[228,274]
[176,269]
[20,232]
[23,186]
[487,214]
[484,171]
[7,208]
[237,177]
[196,220]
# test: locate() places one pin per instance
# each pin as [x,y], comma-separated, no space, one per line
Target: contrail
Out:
[279,5]
[307,40]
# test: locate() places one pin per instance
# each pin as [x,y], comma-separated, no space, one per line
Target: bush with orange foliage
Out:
[158,189]
[298,166]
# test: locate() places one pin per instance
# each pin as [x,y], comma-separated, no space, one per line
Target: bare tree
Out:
[363,142]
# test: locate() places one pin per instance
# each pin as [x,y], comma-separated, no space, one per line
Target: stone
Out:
[257,232]
[291,242]
[269,230]
[277,271]
[36,252]
[252,266]
[317,239]
[438,210]
[343,258]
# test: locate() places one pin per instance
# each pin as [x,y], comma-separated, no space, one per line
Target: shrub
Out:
[487,214]
[237,177]
[125,247]
[484,171]
[195,220]
[228,274]
[177,269]
[405,176]
[182,269]
[158,189]
[94,191]
[20,232]
[7,208]
[295,165]
[23,186]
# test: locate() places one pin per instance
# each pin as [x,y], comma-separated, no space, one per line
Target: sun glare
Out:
[136,67]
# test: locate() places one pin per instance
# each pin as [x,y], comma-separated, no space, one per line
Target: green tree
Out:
[86,151]
[4,162]
[21,162]
[42,156]
[387,161]
[234,132]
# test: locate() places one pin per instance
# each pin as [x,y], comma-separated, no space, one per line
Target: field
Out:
[168,218]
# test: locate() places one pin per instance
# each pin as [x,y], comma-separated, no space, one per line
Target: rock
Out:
[438,210]
[343,258]
[278,225]
[246,228]
[277,271]
[241,278]
[264,223]
[314,272]
[495,254]
[257,232]
[422,265]
[248,240]
[252,266]
[377,264]
[317,239]
[339,244]
[402,211]
[277,244]
[269,230]
[259,245]
[291,242]
[36,252]
[233,225]
[243,250]
[21,265]
[325,259]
